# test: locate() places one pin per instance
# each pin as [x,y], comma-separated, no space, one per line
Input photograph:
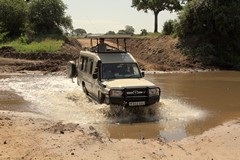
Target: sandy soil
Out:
[28,136]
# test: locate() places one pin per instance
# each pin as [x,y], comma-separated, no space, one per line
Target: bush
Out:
[143,32]
[211,28]
[168,27]
[24,39]
[3,37]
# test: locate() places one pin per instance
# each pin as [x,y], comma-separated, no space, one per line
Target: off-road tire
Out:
[101,97]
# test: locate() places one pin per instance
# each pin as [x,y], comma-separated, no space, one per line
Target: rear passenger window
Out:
[82,62]
[86,64]
[91,67]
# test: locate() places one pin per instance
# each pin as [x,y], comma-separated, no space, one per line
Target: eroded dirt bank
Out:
[161,53]
[26,136]
[12,61]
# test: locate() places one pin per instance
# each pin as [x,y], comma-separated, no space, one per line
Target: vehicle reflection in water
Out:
[191,103]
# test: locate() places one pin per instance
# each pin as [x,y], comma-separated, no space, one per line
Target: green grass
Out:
[47,45]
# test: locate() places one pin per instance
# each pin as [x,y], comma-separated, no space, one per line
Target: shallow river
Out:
[191,103]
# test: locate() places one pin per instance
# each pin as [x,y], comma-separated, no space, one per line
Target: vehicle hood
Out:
[122,83]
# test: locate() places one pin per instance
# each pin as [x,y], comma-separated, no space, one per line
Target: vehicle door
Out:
[95,84]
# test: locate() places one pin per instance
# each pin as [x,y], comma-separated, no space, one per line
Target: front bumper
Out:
[129,99]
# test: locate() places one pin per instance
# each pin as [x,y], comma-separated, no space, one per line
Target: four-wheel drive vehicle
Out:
[113,76]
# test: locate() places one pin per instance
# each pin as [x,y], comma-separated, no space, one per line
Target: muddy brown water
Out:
[191,103]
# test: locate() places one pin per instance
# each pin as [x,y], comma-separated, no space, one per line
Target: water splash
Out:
[60,99]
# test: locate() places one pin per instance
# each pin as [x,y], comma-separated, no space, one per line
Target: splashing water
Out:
[60,99]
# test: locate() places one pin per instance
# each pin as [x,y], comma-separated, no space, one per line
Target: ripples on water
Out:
[58,98]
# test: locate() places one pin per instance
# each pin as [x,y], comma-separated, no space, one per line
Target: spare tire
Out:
[71,69]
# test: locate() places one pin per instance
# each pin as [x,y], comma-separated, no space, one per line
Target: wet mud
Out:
[10,101]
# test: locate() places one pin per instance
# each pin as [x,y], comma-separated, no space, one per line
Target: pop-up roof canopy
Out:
[117,37]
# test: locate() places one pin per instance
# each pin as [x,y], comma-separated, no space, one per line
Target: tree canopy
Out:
[212,26]
[47,16]
[110,33]
[13,16]
[35,16]
[79,31]
[128,30]
[156,6]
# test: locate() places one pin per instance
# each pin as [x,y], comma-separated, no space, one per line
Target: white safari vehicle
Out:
[111,75]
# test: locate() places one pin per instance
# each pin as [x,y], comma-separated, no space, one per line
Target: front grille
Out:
[134,97]
[135,92]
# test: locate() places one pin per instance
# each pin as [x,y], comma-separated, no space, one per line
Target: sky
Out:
[101,16]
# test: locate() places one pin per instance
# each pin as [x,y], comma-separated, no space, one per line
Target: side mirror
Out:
[143,74]
[95,76]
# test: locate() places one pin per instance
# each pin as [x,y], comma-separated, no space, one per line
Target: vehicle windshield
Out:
[120,70]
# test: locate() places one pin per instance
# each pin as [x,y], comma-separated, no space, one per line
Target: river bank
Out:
[31,136]
[159,53]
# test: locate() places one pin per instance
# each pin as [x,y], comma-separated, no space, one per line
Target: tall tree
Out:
[48,16]
[156,6]
[13,16]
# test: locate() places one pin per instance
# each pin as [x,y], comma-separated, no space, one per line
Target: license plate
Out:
[140,103]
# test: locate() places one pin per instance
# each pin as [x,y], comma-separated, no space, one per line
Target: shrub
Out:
[143,32]
[3,37]
[24,39]
[168,27]
[211,28]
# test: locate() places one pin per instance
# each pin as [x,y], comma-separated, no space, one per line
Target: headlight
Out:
[116,93]
[153,91]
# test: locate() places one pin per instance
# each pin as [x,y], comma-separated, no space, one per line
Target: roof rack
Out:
[117,37]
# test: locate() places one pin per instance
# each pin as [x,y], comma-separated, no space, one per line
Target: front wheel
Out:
[101,97]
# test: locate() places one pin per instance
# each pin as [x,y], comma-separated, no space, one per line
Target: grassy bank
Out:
[33,44]
[46,45]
